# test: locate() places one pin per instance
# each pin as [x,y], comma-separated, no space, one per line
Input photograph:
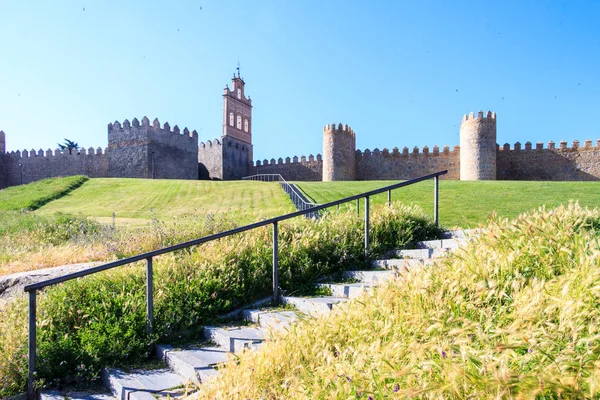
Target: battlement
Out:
[215,142]
[135,124]
[406,152]
[563,146]
[471,117]
[56,153]
[339,128]
[303,160]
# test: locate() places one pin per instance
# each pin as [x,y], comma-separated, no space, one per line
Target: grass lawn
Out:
[36,194]
[136,201]
[467,203]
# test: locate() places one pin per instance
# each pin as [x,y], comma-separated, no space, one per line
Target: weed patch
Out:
[99,321]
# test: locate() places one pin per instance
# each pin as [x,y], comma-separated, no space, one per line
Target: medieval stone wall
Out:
[339,153]
[236,159]
[148,151]
[210,156]
[294,169]
[575,163]
[35,166]
[404,165]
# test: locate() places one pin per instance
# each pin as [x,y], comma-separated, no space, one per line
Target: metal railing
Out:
[33,288]
[297,197]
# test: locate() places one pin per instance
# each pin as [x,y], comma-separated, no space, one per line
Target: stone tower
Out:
[2,142]
[237,113]
[339,153]
[478,147]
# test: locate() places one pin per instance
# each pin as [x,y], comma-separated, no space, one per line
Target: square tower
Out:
[237,113]
[237,154]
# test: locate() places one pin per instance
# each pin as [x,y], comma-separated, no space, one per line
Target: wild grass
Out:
[514,315]
[105,219]
[99,321]
[467,204]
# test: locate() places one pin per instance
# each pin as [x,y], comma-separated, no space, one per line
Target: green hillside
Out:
[136,201]
[467,203]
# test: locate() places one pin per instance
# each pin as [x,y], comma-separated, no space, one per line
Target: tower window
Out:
[231,118]
[246,124]
[239,122]
[239,93]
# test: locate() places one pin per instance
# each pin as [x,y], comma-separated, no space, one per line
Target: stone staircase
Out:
[190,366]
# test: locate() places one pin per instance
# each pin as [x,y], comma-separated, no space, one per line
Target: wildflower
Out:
[396,388]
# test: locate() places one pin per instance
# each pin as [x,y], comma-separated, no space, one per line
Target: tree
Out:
[68,145]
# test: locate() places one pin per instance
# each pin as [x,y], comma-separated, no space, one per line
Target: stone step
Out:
[145,385]
[271,319]
[370,277]
[347,290]
[237,338]
[462,233]
[57,395]
[195,364]
[399,263]
[421,254]
[313,305]
[441,244]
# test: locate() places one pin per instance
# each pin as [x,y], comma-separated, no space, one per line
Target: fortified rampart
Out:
[293,169]
[407,164]
[144,150]
[29,166]
[148,151]
[562,163]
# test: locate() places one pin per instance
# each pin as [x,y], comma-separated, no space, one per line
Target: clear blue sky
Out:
[401,73]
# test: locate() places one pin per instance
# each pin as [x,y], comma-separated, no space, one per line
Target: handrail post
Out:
[32,346]
[358,207]
[275,264]
[367,245]
[436,199]
[149,296]
[389,198]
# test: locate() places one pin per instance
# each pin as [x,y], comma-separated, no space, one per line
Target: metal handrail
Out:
[33,288]
[283,182]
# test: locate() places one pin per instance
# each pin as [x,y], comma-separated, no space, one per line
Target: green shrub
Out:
[99,321]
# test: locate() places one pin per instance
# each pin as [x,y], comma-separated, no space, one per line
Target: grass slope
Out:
[464,203]
[140,200]
[34,195]
[515,315]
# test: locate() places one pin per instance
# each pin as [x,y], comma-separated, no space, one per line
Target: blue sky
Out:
[401,73]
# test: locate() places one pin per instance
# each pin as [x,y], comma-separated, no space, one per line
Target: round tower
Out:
[478,147]
[339,153]
[2,142]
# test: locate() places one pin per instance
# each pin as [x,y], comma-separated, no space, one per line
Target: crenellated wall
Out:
[37,165]
[210,155]
[562,163]
[148,151]
[407,164]
[237,158]
[294,169]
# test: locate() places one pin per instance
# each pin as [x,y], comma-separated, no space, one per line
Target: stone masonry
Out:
[478,147]
[144,150]
[339,153]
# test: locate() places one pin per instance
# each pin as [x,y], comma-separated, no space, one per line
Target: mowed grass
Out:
[466,203]
[137,201]
[36,194]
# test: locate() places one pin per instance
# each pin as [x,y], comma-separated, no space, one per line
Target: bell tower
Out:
[237,113]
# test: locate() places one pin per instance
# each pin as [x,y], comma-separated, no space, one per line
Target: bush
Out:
[99,321]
